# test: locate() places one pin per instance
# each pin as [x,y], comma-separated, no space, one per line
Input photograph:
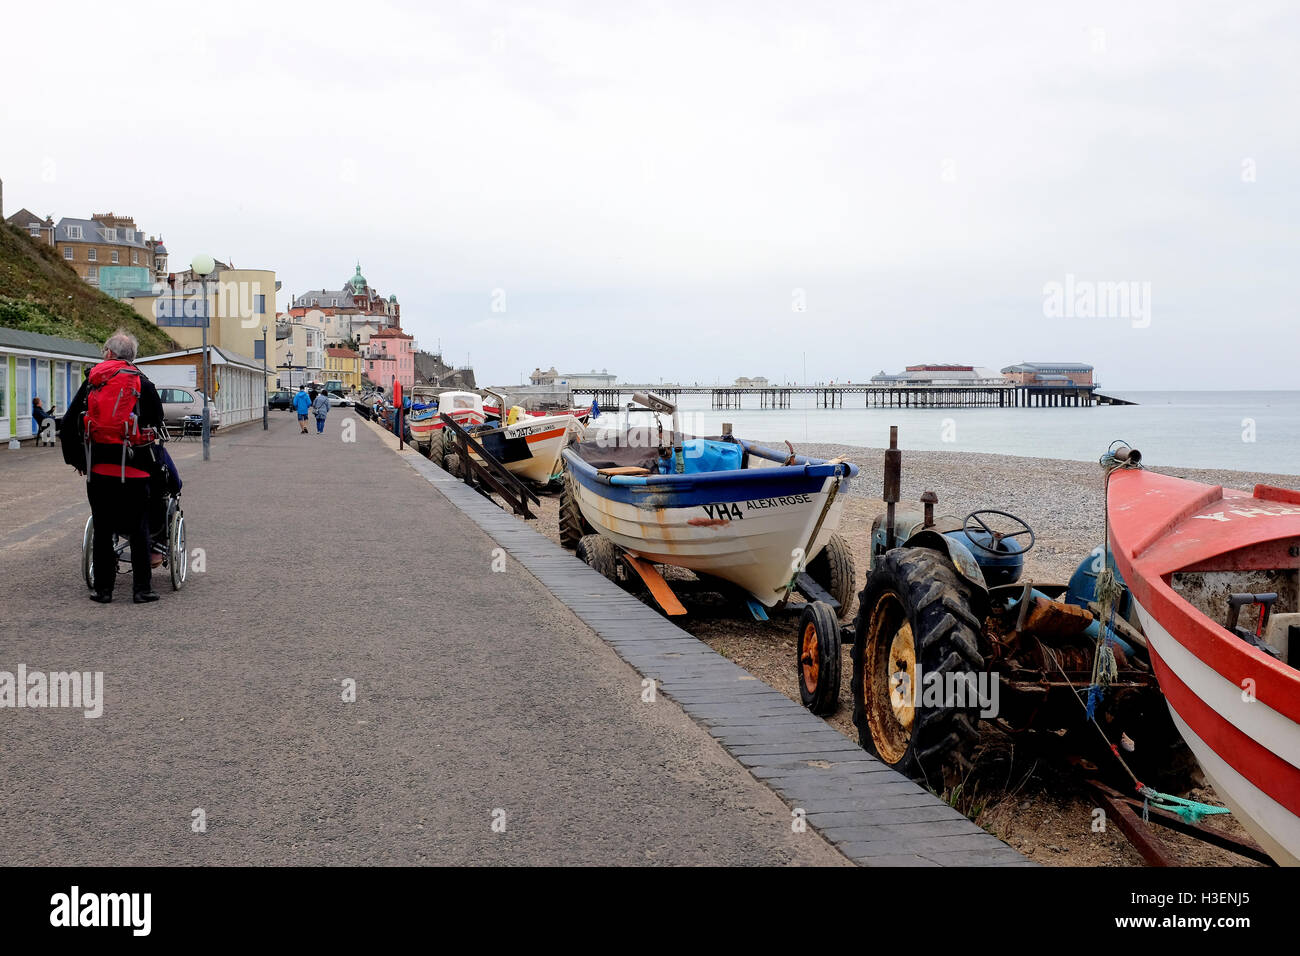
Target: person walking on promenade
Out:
[107,437]
[302,404]
[320,407]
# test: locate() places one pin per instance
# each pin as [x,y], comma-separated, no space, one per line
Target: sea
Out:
[1237,430]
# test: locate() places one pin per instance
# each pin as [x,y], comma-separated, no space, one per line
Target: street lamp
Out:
[203,266]
[266,398]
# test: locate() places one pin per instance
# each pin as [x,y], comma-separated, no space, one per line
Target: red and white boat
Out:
[1183,549]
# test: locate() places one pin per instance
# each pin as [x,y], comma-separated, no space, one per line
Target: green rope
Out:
[1192,811]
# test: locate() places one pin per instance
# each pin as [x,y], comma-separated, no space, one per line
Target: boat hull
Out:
[751,528]
[531,449]
[1237,708]
[1230,734]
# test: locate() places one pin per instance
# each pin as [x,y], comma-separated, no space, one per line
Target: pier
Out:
[1008,395]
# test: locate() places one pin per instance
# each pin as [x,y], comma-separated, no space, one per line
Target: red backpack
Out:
[113,405]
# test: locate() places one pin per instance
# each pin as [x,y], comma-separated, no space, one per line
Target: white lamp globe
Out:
[203,265]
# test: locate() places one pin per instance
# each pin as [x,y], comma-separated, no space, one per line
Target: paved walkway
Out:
[326,561]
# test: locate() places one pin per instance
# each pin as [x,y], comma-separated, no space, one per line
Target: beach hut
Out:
[38,366]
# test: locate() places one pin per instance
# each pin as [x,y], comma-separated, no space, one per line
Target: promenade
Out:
[479,696]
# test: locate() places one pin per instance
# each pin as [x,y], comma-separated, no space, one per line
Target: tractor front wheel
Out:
[916,661]
[833,569]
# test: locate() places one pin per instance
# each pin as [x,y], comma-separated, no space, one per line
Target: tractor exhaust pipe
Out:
[893,480]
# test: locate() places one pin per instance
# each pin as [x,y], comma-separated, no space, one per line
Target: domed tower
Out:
[358,285]
[395,311]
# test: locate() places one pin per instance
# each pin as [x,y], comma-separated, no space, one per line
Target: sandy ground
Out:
[1035,804]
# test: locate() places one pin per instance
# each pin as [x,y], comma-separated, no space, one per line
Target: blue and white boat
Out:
[725,507]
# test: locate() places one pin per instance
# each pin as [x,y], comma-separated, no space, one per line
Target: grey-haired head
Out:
[121,345]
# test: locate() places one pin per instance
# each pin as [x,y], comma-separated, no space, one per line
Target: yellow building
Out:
[344,365]
[241,302]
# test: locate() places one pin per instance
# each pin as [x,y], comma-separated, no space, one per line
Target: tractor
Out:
[947,634]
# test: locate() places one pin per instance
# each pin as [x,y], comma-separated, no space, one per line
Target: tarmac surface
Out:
[480,698]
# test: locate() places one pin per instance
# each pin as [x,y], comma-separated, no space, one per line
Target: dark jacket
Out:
[73,440]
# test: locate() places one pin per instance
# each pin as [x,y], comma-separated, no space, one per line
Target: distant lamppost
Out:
[266,398]
[203,266]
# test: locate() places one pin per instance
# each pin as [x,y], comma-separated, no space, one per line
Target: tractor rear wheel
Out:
[916,657]
[440,446]
[818,650]
[833,569]
[572,524]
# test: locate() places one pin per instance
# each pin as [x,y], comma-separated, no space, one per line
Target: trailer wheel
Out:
[573,526]
[452,465]
[833,569]
[602,555]
[916,654]
[818,658]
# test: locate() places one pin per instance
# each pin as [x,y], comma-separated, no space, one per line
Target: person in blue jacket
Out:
[302,405]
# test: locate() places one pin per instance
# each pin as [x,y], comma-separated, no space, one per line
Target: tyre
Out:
[917,640]
[573,526]
[178,557]
[602,555]
[88,553]
[818,658]
[834,570]
[452,464]
[440,445]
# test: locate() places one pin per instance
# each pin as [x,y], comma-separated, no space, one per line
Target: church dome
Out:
[358,281]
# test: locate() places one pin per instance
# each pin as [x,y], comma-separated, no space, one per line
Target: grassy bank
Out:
[39,292]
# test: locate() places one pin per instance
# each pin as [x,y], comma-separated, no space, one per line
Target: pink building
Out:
[390,356]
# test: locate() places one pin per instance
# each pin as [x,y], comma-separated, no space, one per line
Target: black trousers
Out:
[122,507]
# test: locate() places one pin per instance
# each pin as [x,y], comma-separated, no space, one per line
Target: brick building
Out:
[111,253]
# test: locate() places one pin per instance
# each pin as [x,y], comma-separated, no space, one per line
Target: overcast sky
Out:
[656,189]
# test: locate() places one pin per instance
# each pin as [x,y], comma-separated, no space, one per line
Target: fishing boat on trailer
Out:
[422,419]
[530,447]
[1195,557]
[729,508]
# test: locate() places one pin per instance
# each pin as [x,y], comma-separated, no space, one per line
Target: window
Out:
[110,235]
[34,228]
[4,391]
[174,396]
[113,254]
[259,304]
[135,258]
[42,388]
[259,348]
[74,232]
[93,272]
[23,392]
[130,235]
[67,252]
[92,255]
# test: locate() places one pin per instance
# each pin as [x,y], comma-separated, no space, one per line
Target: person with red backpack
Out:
[107,435]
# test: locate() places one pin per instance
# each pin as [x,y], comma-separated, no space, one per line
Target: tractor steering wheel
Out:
[975,522]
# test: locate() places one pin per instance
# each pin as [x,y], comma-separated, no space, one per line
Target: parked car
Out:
[178,403]
[338,401]
[282,399]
